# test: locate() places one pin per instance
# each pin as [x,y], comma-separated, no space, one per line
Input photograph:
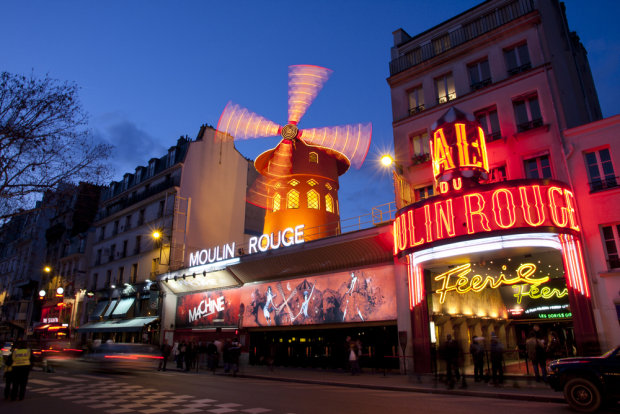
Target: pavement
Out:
[516,387]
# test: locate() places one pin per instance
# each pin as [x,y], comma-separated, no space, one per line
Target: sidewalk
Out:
[515,387]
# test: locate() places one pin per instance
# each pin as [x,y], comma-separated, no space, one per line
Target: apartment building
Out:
[514,68]
[147,224]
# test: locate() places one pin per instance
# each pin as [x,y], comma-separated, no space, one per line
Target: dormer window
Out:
[314,158]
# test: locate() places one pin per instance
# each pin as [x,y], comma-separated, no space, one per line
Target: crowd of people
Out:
[196,356]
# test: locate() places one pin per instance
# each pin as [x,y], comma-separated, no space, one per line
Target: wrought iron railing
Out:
[467,32]
[604,184]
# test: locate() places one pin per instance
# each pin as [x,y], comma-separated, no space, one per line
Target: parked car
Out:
[587,382]
[124,357]
[6,349]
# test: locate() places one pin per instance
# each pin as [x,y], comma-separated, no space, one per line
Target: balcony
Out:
[479,85]
[604,184]
[480,26]
[417,109]
[526,126]
[519,69]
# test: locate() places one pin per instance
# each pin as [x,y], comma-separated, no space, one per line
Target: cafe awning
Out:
[96,314]
[118,325]
[123,307]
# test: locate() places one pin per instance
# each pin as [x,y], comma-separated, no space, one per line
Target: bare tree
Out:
[44,141]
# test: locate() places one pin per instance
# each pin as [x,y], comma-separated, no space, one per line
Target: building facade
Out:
[516,69]
[142,229]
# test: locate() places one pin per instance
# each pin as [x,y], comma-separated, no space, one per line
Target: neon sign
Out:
[525,204]
[456,280]
[284,238]
[534,292]
[458,146]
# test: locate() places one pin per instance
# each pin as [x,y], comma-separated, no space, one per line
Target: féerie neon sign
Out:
[457,280]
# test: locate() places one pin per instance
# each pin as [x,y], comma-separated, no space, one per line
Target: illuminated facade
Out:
[464,244]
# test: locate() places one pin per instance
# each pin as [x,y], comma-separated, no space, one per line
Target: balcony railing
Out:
[417,109]
[525,126]
[604,184]
[467,32]
[519,69]
[479,85]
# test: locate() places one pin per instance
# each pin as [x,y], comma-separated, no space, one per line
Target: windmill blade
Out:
[304,84]
[240,123]
[351,140]
[261,193]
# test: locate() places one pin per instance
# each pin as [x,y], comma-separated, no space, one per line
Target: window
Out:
[101,233]
[121,271]
[98,258]
[312,182]
[124,251]
[141,217]
[115,228]
[93,285]
[108,278]
[423,192]
[416,100]
[497,174]
[136,248]
[313,199]
[293,182]
[538,167]
[133,276]
[527,113]
[171,157]
[112,252]
[292,199]
[160,212]
[328,186]
[441,44]
[329,203]
[611,239]
[444,86]
[420,147]
[314,158]
[517,59]
[277,199]
[128,222]
[490,124]
[479,74]
[600,170]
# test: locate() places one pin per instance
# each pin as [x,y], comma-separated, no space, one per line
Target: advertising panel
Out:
[356,296]
[212,308]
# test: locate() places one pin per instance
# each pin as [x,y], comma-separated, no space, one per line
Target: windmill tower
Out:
[298,182]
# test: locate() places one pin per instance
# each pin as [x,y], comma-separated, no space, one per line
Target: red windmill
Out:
[299,177]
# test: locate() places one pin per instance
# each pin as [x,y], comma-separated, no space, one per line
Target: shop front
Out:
[491,260]
[287,308]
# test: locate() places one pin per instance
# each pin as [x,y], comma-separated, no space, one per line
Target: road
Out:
[72,389]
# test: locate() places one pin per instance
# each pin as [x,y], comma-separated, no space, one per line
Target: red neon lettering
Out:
[457,183]
[570,207]
[444,218]
[443,187]
[412,241]
[538,204]
[402,233]
[482,150]
[508,206]
[461,141]
[428,223]
[442,157]
[553,207]
[470,212]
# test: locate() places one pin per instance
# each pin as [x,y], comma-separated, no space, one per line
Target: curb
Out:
[460,392]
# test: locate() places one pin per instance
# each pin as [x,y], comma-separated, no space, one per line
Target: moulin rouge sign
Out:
[459,159]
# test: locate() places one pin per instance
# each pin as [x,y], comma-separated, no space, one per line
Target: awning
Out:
[123,307]
[98,310]
[119,325]
[111,307]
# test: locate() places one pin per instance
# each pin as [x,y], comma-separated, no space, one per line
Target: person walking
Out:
[534,351]
[165,353]
[234,354]
[451,356]
[20,361]
[476,349]
[497,360]
[212,357]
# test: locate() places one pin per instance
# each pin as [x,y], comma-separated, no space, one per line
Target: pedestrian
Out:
[354,364]
[451,356]
[226,355]
[531,348]
[212,356]
[181,355]
[189,356]
[497,360]
[8,378]
[476,349]
[234,354]
[554,348]
[20,361]
[165,354]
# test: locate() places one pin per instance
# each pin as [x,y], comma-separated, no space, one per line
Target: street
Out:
[73,389]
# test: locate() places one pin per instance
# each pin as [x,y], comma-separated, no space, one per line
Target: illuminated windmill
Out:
[298,181]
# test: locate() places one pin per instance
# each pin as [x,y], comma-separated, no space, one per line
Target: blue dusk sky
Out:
[151,71]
